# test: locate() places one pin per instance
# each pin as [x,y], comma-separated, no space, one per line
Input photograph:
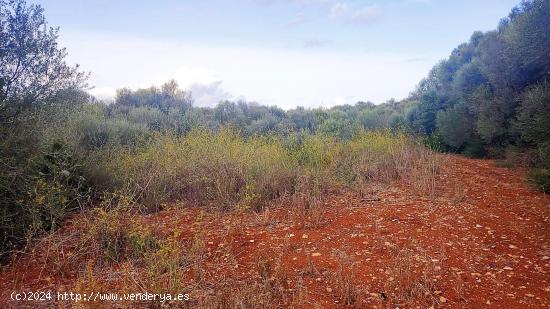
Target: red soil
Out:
[483,241]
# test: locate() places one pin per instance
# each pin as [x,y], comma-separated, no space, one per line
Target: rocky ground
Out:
[482,240]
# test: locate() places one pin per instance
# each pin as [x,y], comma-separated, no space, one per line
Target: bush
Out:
[223,170]
[474,148]
[115,235]
[34,198]
[90,130]
[455,126]
[436,142]
[226,171]
[533,113]
[541,179]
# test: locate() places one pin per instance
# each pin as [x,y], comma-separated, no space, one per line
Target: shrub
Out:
[533,113]
[226,170]
[436,142]
[455,126]
[35,197]
[90,130]
[374,155]
[474,148]
[115,235]
[541,179]
[57,187]
[223,169]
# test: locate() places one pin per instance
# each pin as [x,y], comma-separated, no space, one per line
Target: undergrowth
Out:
[227,171]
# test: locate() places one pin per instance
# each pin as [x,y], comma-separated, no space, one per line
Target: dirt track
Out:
[482,241]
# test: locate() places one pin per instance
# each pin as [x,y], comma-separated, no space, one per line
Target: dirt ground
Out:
[481,241]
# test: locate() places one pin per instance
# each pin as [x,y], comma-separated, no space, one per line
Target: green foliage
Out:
[33,65]
[90,129]
[422,117]
[474,148]
[36,195]
[436,142]
[533,117]
[168,97]
[541,179]
[476,91]
[340,125]
[114,235]
[57,187]
[455,126]
[41,180]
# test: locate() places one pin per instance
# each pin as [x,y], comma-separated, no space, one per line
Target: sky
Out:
[287,53]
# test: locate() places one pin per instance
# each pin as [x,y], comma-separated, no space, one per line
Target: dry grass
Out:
[412,277]
[114,250]
[347,292]
[422,174]
[226,171]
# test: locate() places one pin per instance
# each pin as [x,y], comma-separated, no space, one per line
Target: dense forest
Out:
[62,149]
[490,97]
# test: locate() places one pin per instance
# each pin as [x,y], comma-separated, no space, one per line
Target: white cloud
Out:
[188,75]
[287,78]
[208,94]
[338,10]
[103,93]
[366,14]
[347,13]
[204,85]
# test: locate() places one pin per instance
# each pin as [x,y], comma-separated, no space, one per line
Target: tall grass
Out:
[227,171]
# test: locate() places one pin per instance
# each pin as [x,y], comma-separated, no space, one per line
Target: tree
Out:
[422,118]
[528,42]
[32,65]
[533,119]
[455,126]
[487,77]
[165,98]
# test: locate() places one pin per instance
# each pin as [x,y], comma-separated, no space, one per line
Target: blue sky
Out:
[277,52]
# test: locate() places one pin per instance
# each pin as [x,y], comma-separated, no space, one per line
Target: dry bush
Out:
[116,235]
[232,293]
[266,218]
[384,157]
[161,270]
[423,170]
[517,157]
[459,193]
[378,155]
[307,201]
[88,282]
[221,169]
[411,276]
[267,287]
[227,171]
[347,292]
[308,216]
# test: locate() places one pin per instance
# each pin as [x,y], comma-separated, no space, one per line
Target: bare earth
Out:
[482,241]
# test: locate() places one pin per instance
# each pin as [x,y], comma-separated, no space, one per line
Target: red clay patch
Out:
[481,241]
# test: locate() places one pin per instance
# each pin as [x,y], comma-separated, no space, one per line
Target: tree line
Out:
[491,96]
